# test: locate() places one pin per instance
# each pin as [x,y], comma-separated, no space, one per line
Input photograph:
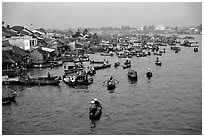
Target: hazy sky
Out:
[88,14]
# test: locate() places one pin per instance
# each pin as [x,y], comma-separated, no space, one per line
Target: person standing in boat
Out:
[157,59]
[48,75]
[112,79]
[92,108]
[127,61]
[97,103]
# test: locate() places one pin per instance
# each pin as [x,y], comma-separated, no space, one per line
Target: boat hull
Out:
[96,115]
[111,85]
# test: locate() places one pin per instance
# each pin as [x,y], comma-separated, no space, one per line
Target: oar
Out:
[104,85]
[83,113]
[105,81]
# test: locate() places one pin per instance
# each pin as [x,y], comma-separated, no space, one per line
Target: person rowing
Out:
[149,73]
[97,103]
[111,80]
[95,110]
[157,59]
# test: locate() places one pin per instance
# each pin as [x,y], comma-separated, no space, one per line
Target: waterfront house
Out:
[23,42]
[13,59]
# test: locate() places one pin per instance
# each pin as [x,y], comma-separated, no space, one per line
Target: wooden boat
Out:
[175,48]
[95,113]
[72,69]
[117,64]
[195,49]
[81,60]
[8,81]
[132,74]
[40,81]
[194,45]
[126,66]
[158,53]
[127,62]
[68,57]
[142,54]
[107,54]
[158,63]
[91,72]
[124,56]
[47,64]
[11,72]
[149,75]
[69,80]
[96,62]
[57,63]
[9,99]
[111,85]
[102,66]
[78,80]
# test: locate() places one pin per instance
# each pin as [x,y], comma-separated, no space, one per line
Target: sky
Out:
[62,15]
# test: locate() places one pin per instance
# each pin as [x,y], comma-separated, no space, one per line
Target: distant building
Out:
[23,42]
[160,27]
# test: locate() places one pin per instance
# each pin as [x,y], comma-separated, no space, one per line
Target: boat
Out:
[158,63]
[111,85]
[175,48]
[149,75]
[126,66]
[102,66]
[8,81]
[81,60]
[95,113]
[9,99]
[142,54]
[47,64]
[68,57]
[117,64]
[91,71]
[107,54]
[96,62]
[41,81]
[124,56]
[158,53]
[11,72]
[71,80]
[80,79]
[72,69]
[194,45]
[57,63]
[195,49]
[132,74]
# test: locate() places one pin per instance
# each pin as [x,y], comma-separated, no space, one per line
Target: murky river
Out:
[169,103]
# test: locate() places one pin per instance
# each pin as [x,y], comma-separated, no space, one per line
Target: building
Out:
[23,42]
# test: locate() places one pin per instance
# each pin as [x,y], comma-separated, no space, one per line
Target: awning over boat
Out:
[48,49]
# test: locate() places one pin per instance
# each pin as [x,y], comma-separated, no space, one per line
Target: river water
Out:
[169,103]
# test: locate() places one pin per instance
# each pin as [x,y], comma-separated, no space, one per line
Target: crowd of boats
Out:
[77,74]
